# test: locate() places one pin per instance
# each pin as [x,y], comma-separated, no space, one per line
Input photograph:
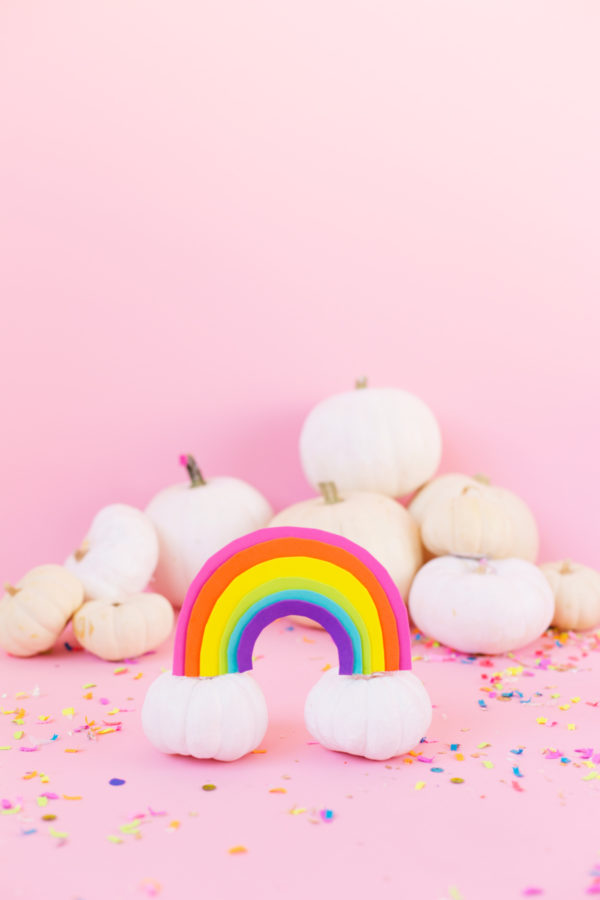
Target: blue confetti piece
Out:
[454,746]
[507,694]
[482,704]
[517,752]
[517,772]
[29,831]
[289,628]
[326,815]
[565,759]
[436,769]
[117,781]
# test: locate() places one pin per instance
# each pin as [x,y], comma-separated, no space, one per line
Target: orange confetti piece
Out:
[259,751]
[238,849]
[278,791]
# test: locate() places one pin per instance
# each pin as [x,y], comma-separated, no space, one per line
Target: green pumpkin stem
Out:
[196,479]
[329,492]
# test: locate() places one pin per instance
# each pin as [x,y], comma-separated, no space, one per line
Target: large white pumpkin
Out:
[118,555]
[376,522]
[371,439]
[377,716]
[194,520]
[123,628]
[464,516]
[481,606]
[223,717]
[35,610]
[576,591]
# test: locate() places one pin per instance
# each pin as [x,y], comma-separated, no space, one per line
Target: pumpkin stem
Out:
[566,567]
[11,590]
[196,479]
[82,550]
[483,567]
[482,479]
[361,382]
[329,492]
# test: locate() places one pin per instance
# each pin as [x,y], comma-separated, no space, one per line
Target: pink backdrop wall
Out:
[214,214]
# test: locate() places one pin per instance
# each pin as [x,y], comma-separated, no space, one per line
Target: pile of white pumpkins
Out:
[462,551]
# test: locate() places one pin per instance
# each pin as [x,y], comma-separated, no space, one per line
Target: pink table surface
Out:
[399,829]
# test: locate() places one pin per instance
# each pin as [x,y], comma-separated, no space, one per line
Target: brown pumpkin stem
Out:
[82,550]
[11,590]
[196,479]
[566,567]
[361,382]
[329,492]
[482,479]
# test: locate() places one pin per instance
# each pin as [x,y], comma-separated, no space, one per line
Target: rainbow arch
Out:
[276,572]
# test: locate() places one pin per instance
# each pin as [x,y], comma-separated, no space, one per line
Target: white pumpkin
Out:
[481,606]
[376,716]
[464,516]
[576,591]
[376,522]
[35,610]
[371,439]
[194,520]
[123,628]
[118,555]
[223,717]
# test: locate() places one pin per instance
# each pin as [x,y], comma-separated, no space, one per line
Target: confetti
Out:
[238,849]
[117,781]
[209,787]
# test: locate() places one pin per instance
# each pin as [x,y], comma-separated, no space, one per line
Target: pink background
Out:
[215,214]
[212,215]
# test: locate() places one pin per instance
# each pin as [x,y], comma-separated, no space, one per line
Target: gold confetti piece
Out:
[29,775]
[113,712]
[72,750]
[114,839]
[174,825]
[575,699]
[42,801]
[571,726]
[138,676]
[457,780]
[326,668]
[541,720]
[483,745]
[488,764]
[565,706]
[20,694]
[68,712]
[71,796]
[88,696]
[90,684]
[6,747]
[459,756]
[58,834]
[44,778]
[106,730]
[120,670]
[297,810]
[554,696]
[18,735]
[419,785]
[278,790]
[11,810]
[238,849]
[259,751]
[48,817]
[19,721]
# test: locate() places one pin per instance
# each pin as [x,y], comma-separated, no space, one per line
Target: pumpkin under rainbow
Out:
[276,572]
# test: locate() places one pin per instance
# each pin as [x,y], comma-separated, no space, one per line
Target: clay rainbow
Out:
[276,572]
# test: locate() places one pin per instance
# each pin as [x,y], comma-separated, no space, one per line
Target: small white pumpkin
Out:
[223,717]
[576,591]
[371,439]
[481,606]
[377,716]
[118,555]
[34,612]
[195,519]
[123,628]
[376,522]
[464,516]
